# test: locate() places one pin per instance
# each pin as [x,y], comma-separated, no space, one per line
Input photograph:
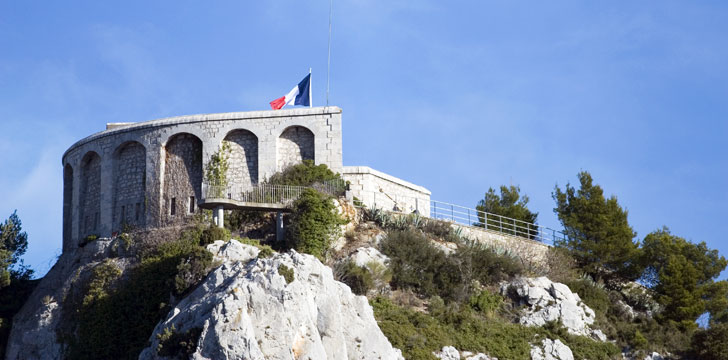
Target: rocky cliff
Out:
[287,306]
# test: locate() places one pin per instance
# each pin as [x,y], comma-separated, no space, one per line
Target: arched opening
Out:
[243,161]
[130,168]
[182,176]
[67,204]
[90,196]
[294,145]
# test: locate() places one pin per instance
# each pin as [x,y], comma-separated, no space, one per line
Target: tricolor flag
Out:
[300,95]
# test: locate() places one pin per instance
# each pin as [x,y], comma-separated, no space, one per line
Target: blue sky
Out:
[456,96]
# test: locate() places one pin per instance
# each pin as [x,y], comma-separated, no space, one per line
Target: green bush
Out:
[358,278]
[486,302]
[711,343]
[178,345]
[102,276]
[265,250]
[213,233]
[117,325]
[314,222]
[287,273]
[593,296]
[303,174]
[418,265]
[192,269]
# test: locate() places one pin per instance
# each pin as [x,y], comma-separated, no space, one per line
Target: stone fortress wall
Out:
[150,174]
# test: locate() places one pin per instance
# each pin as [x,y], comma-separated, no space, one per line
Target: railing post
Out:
[452,213]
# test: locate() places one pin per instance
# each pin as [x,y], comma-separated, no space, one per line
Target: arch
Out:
[243,163]
[67,204]
[90,195]
[182,176]
[295,144]
[129,174]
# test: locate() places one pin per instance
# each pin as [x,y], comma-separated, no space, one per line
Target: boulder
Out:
[451,353]
[549,301]
[245,309]
[363,256]
[551,350]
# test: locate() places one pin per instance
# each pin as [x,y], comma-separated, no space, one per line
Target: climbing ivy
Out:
[217,167]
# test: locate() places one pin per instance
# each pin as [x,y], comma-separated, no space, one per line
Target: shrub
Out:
[102,276]
[303,174]
[358,278]
[265,250]
[314,222]
[286,272]
[486,302]
[593,296]
[213,233]
[417,264]
[711,343]
[639,341]
[117,325]
[192,269]
[178,345]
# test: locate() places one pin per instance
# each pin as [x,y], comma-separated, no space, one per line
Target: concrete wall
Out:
[377,189]
[92,166]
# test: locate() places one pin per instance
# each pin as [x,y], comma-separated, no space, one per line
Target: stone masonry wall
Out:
[182,176]
[90,194]
[295,145]
[532,253]
[67,202]
[377,189]
[130,169]
[243,162]
[318,137]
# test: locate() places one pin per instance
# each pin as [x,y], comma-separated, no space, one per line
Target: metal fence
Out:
[481,219]
[268,193]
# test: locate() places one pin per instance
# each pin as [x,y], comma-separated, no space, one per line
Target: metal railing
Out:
[268,193]
[505,225]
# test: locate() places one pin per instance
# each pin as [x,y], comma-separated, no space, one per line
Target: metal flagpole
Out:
[328,62]
[310,88]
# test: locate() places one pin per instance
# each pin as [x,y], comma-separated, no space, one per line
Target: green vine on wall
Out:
[217,167]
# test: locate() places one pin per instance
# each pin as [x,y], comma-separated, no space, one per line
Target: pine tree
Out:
[598,235]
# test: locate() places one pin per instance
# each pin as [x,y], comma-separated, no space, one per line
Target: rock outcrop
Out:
[451,353]
[550,301]
[551,350]
[245,309]
[35,326]
[363,256]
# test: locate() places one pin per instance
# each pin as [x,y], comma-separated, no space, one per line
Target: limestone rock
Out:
[34,332]
[448,353]
[549,301]
[451,353]
[245,309]
[551,350]
[365,255]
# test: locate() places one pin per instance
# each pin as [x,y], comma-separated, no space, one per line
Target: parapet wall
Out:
[149,174]
[377,189]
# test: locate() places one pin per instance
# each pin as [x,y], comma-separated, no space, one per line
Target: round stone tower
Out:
[150,174]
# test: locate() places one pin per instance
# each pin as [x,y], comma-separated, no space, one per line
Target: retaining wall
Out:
[377,189]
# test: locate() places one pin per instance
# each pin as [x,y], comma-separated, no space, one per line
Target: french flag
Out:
[299,95]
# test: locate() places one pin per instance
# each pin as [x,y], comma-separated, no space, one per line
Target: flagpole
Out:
[328,62]
[310,89]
